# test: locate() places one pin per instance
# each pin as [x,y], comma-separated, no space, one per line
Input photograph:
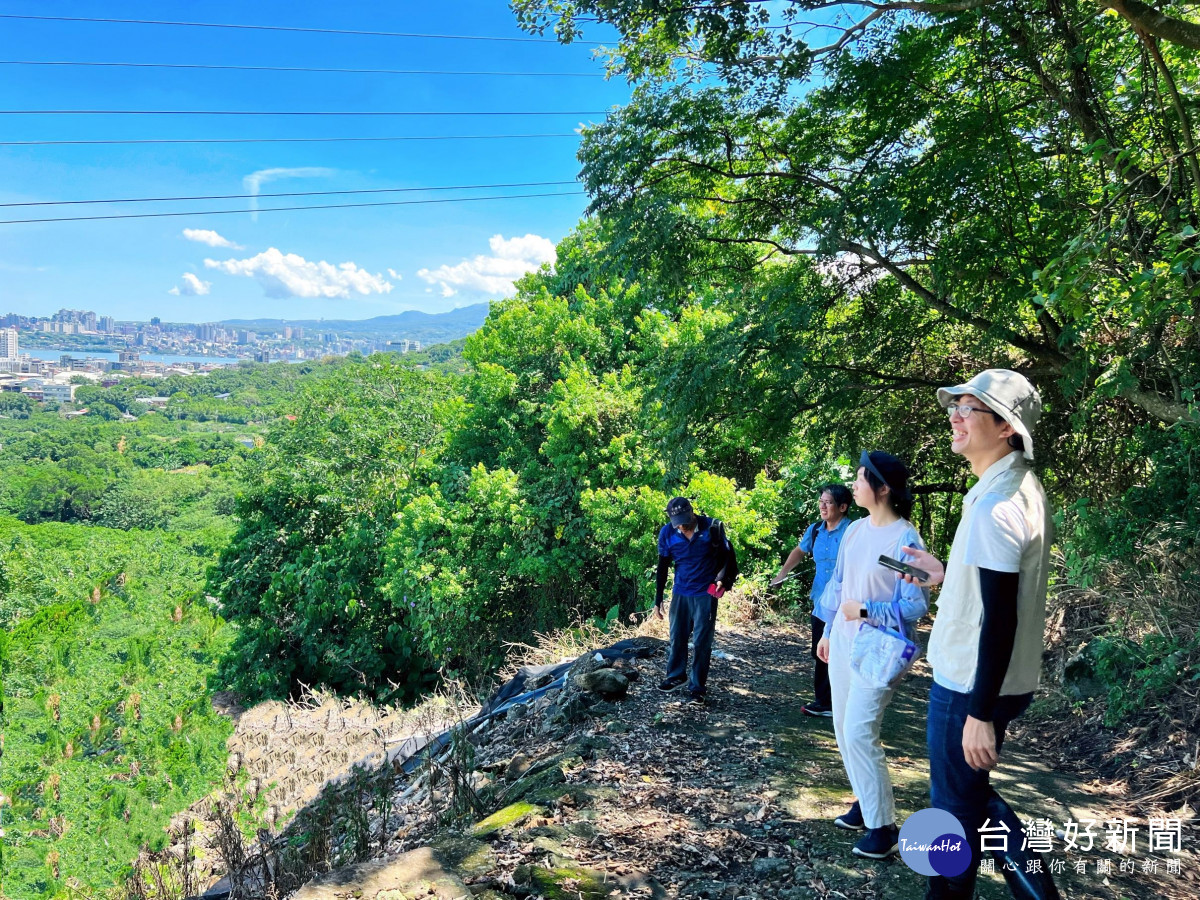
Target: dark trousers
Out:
[968,794]
[695,616]
[820,669]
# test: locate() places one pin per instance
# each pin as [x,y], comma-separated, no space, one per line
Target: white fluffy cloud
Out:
[204,236]
[192,287]
[493,274]
[396,275]
[289,275]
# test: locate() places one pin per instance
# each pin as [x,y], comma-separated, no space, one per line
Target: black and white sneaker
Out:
[816,709]
[851,820]
[670,684]
[696,697]
[879,843]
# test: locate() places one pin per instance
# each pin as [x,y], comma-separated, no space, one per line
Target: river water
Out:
[52,355]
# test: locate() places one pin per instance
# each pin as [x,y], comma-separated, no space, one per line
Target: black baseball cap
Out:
[680,511]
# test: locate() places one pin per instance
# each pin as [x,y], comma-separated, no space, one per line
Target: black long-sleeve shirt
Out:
[997,637]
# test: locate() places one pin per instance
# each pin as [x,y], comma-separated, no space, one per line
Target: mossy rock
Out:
[568,882]
[592,743]
[586,795]
[541,785]
[553,832]
[584,830]
[510,815]
[468,857]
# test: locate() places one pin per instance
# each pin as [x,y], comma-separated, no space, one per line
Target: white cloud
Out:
[493,274]
[204,236]
[290,275]
[192,287]
[395,274]
[255,180]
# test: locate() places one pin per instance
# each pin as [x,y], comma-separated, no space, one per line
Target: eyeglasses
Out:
[826,503]
[965,411]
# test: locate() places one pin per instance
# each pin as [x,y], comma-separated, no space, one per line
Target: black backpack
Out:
[731,566]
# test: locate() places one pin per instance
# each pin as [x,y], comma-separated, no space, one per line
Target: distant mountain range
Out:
[428,328]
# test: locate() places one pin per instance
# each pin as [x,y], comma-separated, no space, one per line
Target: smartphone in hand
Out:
[903,568]
[716,591]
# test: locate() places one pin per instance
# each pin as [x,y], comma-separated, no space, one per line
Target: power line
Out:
[294,28]
[225,212]
[308,112]
[309,140]
[405,190]
[157,65]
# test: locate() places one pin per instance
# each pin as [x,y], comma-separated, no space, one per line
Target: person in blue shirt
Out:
[701,554]
[821,540]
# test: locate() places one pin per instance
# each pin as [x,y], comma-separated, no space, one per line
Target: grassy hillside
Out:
[108,728]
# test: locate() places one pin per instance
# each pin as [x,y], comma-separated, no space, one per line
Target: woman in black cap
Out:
[861,590]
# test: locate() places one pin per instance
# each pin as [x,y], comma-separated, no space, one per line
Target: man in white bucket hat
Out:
[986,645]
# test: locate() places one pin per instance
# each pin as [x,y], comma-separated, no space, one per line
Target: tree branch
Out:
[1151,21]
[1050,355]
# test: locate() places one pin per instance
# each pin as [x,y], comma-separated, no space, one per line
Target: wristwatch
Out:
[862,613]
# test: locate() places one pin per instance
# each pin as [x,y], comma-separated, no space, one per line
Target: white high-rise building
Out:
[8,343]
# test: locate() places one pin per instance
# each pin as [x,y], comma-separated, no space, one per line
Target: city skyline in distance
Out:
[78,333]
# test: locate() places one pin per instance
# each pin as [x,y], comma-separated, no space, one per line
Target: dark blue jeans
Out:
[960,790]
[694,615]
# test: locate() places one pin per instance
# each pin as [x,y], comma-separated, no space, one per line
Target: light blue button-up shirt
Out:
[823,543]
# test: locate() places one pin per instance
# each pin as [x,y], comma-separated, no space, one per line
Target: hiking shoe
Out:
[816,709]
[669,684]
[878,843]
[695,697]
[851,820]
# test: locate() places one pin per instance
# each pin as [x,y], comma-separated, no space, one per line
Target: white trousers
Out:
[857,715]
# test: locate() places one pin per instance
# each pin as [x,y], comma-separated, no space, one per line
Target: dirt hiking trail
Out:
[652,797]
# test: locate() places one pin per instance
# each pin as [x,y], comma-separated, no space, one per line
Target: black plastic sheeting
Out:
[513,692]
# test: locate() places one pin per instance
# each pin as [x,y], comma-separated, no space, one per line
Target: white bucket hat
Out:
[1008,394]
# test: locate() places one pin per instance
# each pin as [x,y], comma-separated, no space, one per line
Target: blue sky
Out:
[342,263]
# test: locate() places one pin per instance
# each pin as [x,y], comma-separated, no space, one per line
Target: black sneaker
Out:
[670,684]
[878,843]
[695,697]
[851,820]
[816,709]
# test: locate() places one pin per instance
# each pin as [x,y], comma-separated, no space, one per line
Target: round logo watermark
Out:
[933,842]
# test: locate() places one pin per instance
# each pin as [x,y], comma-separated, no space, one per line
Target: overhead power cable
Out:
[295,28]
[288,140]
[404,190]
[226,212]
[307,112]
[235,68]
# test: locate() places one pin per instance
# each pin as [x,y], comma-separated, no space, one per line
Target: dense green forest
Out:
[108,641]
[790,245]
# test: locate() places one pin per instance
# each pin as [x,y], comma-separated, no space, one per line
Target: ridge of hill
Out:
[569,794]
[414,324]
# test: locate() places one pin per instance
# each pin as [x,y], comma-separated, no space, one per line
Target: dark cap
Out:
[887,468]
[680,511]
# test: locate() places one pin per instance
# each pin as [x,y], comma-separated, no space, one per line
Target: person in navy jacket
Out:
[700,551]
